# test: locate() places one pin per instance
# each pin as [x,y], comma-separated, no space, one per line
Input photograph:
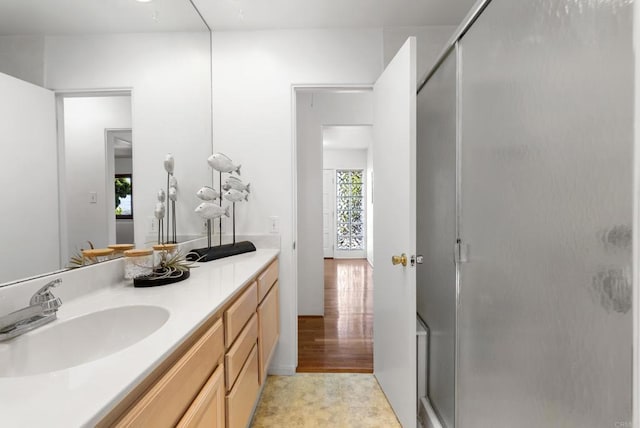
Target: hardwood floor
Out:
[342,340]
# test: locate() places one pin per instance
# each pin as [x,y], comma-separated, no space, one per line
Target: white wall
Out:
[313,111]
[345,159]
[123,166]
[253,74]
[171,98]
[430,43]
[85,121]
[29,226]
[23,57]
[370,180]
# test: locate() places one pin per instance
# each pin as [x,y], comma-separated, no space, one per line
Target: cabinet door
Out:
[207,409]
[241,399]
[268,329]
[165,403]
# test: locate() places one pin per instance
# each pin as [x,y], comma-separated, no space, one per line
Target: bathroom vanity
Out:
[203,363]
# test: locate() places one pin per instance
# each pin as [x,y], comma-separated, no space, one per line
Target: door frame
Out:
[295,88]
[332,203]
[60,95]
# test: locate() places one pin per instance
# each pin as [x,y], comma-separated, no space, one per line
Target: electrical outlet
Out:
[93,197]
[274,224]
[153,225]
[203,227]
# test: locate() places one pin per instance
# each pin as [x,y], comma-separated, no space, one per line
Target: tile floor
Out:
[327,400]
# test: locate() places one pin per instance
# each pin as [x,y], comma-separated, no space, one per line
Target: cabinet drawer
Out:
[207,409]
[268,329]
[243,396]
[165,403]
[237,355]
[267,279]
[239,313]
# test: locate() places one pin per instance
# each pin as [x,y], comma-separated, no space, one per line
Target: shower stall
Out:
[525,180]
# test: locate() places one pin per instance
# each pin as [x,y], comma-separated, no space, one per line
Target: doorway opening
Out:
[335,286]
[95,155]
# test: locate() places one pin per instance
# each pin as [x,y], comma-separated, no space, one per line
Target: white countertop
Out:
[82,395]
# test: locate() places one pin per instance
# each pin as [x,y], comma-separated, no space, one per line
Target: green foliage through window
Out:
[350,210]
[123,195]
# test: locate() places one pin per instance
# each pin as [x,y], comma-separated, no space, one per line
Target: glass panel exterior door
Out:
[436,231]
[545,320]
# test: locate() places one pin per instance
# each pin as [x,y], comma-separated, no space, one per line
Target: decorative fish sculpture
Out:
[159,211]
[208,210]
[169,163]
[162,196]
[173,194]
[173,182]
[207,193]
[222,163]
[235,196]
[237,184]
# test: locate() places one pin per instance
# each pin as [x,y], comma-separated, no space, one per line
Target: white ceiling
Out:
[356,137]
[27,17]
[285,14]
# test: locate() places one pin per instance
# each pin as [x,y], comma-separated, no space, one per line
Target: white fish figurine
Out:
[207,193]
[222,163]
[173,194]
[159,211]
[235,196]
[162,196]
[237,184]
[169,163]
[173,182]
[208,210]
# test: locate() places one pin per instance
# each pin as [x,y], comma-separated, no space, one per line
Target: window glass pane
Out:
[343,176]
[356,229]
[350,209]
[344,190]
[344,204]
[344,243]
[356,204]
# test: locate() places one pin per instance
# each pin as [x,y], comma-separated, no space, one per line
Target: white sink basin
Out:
[69,343]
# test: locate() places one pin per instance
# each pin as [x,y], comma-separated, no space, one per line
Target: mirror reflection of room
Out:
[96,149]
[143,63]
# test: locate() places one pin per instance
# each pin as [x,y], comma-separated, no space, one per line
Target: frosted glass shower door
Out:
[545,320]
[436,231]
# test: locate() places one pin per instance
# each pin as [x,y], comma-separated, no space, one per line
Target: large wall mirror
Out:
[93,91]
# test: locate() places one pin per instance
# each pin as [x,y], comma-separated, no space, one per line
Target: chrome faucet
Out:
[42,309]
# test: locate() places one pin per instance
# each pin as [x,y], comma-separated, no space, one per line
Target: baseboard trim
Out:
[282,370]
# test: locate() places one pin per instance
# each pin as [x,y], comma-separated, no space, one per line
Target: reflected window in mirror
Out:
[124,196]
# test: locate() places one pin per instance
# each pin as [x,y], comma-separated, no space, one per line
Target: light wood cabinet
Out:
[241,399]
[239,313]
[165,403]
[266,279]
[213,378]
[268,329]
[237,355]
[208,409]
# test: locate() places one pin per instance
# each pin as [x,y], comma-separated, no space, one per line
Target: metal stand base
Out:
[220,252]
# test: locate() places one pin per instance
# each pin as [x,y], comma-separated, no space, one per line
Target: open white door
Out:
[394,150]
[328,201]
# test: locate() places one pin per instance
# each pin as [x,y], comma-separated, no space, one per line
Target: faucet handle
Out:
[44,297]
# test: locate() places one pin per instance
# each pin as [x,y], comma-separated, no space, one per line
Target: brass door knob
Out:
[399,259]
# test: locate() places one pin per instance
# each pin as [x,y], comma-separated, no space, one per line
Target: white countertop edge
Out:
[83,395]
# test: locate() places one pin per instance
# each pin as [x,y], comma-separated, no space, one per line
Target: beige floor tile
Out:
[309,400]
